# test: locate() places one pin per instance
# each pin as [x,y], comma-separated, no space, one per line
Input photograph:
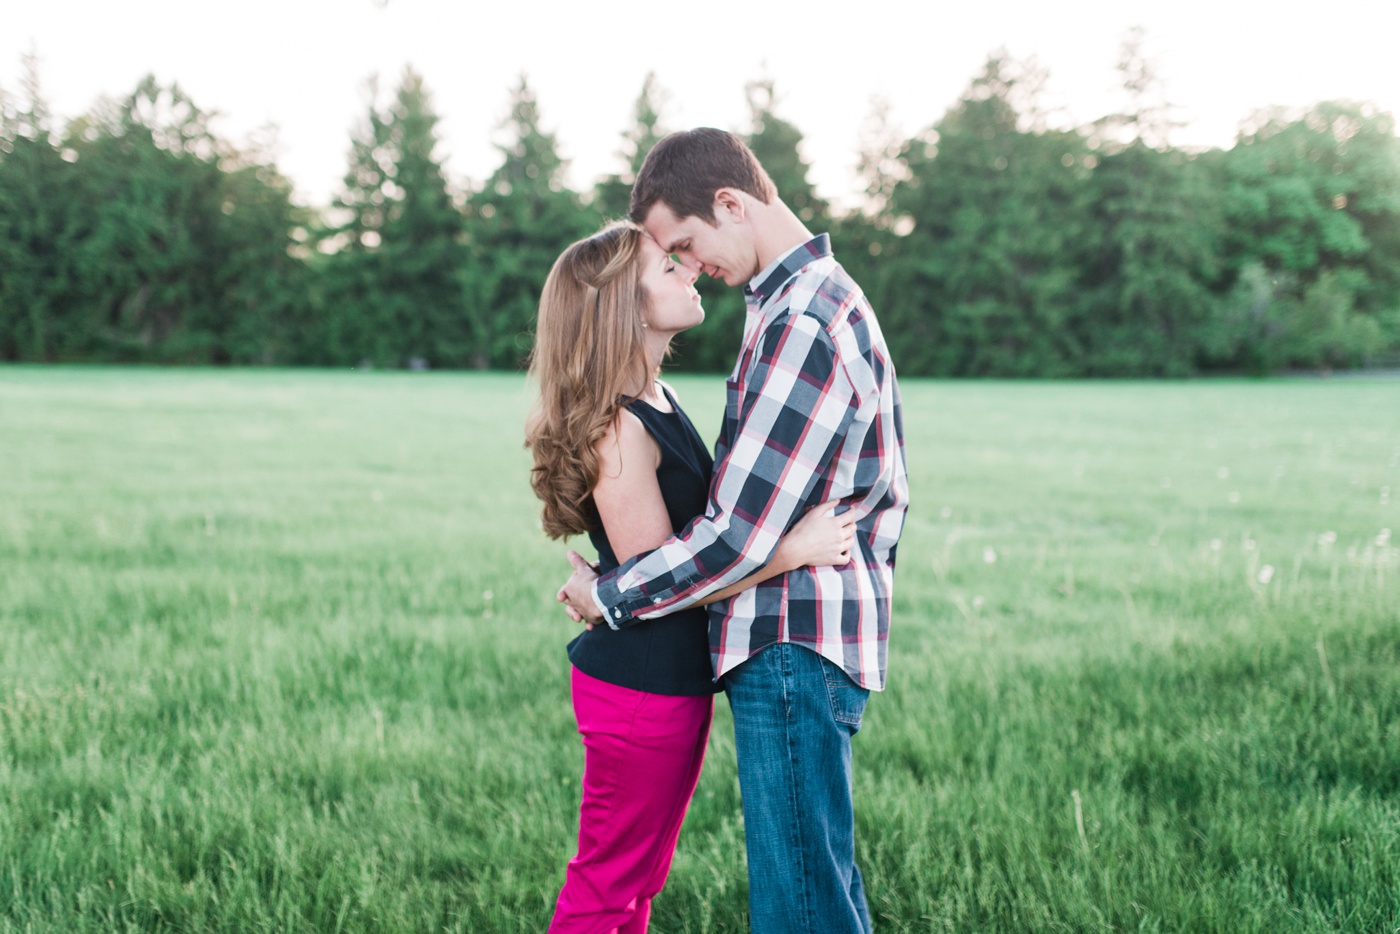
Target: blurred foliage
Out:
[613,193]
[992,242]
[138,234]
[392,294]
[517,224]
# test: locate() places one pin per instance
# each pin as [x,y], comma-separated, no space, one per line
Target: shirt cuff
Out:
[602,608]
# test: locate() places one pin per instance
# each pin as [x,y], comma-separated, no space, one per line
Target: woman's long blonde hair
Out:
[588,356]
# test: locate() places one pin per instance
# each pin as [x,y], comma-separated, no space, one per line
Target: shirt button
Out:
[655,599]
[617,614]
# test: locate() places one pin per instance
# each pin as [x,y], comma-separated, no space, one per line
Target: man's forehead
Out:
[667,229]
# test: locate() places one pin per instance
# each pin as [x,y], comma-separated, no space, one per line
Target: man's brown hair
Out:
[685,169]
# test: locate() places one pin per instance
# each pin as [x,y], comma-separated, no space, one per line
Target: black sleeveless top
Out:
[669,654]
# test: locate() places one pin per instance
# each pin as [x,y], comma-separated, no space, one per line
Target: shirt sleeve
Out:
[794,411]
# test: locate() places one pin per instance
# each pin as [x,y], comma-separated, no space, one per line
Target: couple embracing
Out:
[765,572]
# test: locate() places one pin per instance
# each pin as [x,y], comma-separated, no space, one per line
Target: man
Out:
[812,414]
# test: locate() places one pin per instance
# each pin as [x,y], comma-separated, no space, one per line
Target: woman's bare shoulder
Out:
[625,442]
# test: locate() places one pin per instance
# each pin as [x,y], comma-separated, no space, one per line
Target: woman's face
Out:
[670,287]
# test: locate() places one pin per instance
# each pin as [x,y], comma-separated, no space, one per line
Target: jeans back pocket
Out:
[847,699]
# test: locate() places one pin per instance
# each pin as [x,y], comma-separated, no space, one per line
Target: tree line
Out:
[992,243]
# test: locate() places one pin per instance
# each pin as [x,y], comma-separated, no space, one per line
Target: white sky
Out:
[301,64]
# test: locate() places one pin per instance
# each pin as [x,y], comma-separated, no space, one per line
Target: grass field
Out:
[278,652]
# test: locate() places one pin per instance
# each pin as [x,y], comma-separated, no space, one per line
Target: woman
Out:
[616,457]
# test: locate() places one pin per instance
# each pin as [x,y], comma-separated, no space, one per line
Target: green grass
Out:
[278,652]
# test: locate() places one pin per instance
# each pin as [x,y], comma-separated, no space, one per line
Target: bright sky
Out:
[301,64]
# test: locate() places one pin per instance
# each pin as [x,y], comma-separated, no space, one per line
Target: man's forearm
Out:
[677,576]
[792,419]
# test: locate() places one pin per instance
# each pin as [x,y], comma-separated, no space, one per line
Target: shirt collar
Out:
[767,283]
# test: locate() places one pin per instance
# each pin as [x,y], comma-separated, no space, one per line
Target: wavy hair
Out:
[588,355]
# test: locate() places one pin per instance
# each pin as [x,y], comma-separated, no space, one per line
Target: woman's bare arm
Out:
[627,494]
[634,516]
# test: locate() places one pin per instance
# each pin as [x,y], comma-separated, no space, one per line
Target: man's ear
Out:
[730,202]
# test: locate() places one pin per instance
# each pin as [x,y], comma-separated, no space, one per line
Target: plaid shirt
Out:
[812,414]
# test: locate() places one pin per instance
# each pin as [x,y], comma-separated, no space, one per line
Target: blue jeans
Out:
[794,716]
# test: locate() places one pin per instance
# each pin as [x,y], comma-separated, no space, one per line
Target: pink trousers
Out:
[641,760]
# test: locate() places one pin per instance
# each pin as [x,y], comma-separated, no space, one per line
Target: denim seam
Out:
[833,686]
[794,766]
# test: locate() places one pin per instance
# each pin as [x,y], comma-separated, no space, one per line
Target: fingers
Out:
[579,561]
[828,509]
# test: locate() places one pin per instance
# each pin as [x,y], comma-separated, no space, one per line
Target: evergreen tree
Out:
[37,226]
[150,179]
[1148,262]
[878,161]
[863,238]
[519,223]
[141,235]
[778,146]
[613,194]
[393,289]
[173,256]
[261,282]
[981,280]
[1148,255]
[1147,116]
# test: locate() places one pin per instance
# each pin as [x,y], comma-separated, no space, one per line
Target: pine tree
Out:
[778,146]
[1148,255]
[37,226]
[152,198]
[393,287]
[261,282]
[980,282]
[519,223]
[877,161]
[613,193]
